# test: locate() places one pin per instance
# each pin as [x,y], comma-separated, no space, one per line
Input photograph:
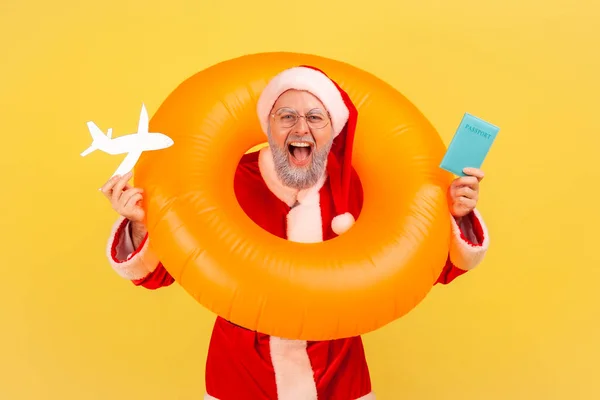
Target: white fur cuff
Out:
[370,396]
[128,262]
[470,242]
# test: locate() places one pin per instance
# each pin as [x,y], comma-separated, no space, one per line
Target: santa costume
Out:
[247,365]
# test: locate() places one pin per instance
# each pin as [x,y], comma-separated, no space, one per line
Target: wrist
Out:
[138,232]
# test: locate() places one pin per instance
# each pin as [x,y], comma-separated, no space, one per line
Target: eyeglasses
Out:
[288,117]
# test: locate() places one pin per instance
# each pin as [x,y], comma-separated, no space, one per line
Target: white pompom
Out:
[341,223]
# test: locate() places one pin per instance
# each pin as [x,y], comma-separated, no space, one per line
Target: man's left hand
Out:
[463,192]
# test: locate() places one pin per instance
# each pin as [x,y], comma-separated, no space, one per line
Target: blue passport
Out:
[470,145]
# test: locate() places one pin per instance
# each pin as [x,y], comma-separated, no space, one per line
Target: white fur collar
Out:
[284,193]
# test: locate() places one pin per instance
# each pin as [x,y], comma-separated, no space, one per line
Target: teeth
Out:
[300,144]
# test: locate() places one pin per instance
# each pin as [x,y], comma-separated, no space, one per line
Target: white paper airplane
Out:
[134,144]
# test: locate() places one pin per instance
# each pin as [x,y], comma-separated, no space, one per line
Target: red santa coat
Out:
[247,365]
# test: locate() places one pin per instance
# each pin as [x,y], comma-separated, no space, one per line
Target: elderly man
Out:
[296,189]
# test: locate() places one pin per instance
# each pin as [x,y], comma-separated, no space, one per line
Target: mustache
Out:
[297,138]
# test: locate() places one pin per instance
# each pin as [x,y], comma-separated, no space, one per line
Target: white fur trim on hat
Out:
[310,80]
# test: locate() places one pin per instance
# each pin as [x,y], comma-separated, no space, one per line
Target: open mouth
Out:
[300,152]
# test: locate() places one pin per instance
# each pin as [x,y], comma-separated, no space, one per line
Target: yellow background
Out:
[522,326]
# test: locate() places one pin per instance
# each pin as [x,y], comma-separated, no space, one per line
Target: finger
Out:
[132,201]
[475,172]
[106,189]
[467,192]
[466,203]
[127,195]
[120,185]
[467,181]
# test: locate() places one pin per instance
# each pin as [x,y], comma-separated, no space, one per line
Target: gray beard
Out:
[295,177]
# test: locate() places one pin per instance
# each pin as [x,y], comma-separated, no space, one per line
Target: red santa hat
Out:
[343,119]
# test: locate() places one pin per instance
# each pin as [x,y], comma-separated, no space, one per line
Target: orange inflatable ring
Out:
[358,282]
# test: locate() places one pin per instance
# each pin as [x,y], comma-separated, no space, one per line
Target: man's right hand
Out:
[126,201]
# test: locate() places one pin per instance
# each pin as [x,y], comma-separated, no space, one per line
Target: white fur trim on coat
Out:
[123,257]
[294,376]
[467,254]
[304,221]
[310,80]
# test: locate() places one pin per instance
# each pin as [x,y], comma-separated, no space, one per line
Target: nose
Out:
[301,127]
